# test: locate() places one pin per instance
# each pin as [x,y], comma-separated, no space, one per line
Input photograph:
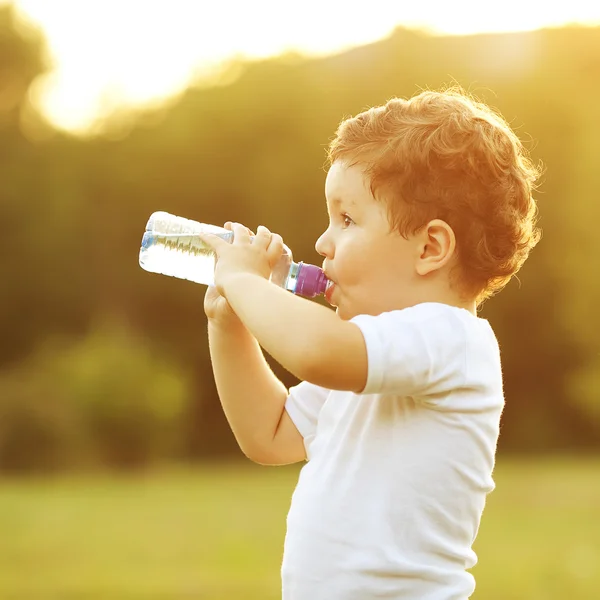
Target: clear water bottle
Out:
[171,246]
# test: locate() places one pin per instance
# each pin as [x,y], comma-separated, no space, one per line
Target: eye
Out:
[346,220]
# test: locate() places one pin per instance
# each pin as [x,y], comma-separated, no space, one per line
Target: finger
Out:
[227,225]
[263,237]
[275,249]
[240,233]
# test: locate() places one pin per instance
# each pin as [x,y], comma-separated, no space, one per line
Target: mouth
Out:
[329,290]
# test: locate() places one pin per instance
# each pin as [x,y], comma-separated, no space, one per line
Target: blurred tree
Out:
[108,399]
[253,149]
[22,59]
[42,245]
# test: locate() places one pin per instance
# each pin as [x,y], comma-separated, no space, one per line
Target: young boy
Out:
[398,412]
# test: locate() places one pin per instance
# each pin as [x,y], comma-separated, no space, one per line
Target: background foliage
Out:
[103,363]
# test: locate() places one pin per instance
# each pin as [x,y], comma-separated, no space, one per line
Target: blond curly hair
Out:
[445,155]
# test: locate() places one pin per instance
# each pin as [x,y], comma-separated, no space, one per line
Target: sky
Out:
[107,53]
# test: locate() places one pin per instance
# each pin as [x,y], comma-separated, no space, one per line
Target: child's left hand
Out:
[257,256]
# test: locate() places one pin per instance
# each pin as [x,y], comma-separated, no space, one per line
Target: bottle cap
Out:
[311,281]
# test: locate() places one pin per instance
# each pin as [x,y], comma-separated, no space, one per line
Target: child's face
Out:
[373,269]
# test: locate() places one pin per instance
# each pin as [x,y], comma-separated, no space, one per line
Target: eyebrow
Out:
[338,201]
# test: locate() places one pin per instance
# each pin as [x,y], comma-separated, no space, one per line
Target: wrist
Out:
[227,323]
[233,280]
[236,285]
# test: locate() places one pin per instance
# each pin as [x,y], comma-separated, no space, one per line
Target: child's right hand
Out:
[216,307]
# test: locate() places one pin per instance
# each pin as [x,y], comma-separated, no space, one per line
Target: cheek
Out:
[357,265]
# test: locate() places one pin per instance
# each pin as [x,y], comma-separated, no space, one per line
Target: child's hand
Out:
[216,307]
[257,256]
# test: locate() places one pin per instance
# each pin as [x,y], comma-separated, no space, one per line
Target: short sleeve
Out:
[303,405]
[418,351]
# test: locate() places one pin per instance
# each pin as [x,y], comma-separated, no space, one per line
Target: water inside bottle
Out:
[182,255]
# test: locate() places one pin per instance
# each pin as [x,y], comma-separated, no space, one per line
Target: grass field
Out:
[215,533]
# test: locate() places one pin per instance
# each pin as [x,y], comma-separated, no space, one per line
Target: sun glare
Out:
[108,53]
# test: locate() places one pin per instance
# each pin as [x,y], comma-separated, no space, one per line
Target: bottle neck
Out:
[306,280]
[292,281]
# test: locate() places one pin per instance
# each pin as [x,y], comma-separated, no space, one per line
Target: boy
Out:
[398,412]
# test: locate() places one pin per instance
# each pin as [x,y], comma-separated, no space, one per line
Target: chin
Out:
[344,315]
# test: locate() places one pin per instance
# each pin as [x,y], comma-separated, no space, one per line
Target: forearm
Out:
[252,396]
[295,331]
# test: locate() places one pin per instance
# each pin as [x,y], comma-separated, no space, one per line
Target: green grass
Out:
[216,533]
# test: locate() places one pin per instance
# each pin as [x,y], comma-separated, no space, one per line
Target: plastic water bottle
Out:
[171,246]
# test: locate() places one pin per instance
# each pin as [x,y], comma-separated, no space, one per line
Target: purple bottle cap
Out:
[310,281]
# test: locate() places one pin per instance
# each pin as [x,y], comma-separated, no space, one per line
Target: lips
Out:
[329,291]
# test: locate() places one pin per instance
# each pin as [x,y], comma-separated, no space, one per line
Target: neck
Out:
[445,295]
[471,306]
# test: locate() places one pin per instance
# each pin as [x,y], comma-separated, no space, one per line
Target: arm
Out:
[309,340]
[252,397]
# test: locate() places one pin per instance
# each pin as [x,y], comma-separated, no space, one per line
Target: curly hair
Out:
[445,155]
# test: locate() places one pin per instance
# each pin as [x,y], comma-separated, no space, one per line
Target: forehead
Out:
[347,184]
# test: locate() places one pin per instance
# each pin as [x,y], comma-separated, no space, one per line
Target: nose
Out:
[324,245]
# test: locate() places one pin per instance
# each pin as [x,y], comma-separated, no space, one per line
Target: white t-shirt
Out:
[389,502]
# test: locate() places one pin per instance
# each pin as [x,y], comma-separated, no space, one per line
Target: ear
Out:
[437,244]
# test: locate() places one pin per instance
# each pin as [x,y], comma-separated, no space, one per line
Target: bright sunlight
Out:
[109,53]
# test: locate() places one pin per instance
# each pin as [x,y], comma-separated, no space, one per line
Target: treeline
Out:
[103,363]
